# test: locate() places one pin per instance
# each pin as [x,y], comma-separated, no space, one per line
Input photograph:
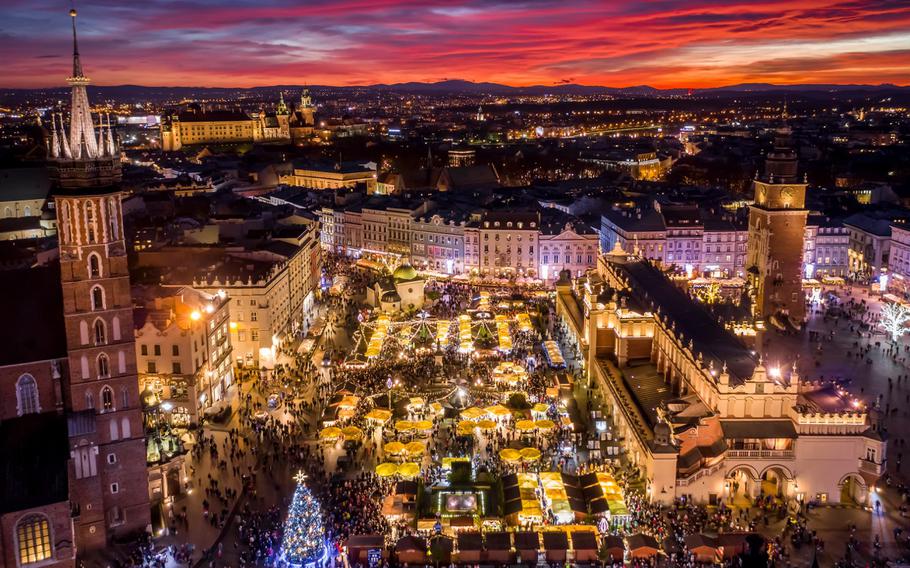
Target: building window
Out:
[97,298]
[152,367]
[112,459]
[124,397]
[94,266]
[254,316]
[176,368]
[115,488]
[33,535]
[143,349]
[100,335]
[107,399]
[157,350]
[27,395]
[104,366]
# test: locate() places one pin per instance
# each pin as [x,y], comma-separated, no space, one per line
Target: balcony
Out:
[761,454]
[869,466]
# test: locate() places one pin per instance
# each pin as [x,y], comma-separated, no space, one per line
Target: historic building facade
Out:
[700,415]
[196,125]
[777,226]
[107,475]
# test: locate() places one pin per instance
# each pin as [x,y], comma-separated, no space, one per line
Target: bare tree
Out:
[894,319]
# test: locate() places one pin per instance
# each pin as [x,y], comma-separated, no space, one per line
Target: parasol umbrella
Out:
[379,415]
[409,469]
[525,425]
[498,410]
[423,426]
[352,433]
[486,424]
[416,402]
[415,449]
[472,413]
[541,407]
[545,424]
[509,455]
[330,433]
[393,448]
[386,469]
[530,454]
[436,407]
[404,425]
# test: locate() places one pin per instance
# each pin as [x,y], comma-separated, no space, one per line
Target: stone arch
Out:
[753,473]
[781,468]
[853,488]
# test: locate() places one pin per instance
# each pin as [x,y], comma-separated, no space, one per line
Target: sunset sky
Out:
[663,43]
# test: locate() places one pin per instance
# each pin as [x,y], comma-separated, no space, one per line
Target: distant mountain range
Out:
[458,86]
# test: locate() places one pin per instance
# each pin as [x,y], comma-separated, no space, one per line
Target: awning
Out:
[744,429]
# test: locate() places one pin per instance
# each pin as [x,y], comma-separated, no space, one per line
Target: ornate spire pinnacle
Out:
[110,137]
[54,148]
[65,145]
[77,65]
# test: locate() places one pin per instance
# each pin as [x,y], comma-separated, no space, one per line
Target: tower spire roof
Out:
[77,64]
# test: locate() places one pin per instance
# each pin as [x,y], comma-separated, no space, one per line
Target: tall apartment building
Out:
[777,226]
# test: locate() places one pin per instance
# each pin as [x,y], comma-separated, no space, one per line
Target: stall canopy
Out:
[642,545]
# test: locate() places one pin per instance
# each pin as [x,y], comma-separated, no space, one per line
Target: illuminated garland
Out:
[303,543]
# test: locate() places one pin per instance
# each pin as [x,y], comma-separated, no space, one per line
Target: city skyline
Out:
[668,44]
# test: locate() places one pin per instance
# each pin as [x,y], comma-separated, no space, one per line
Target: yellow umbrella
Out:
[386,469]
[415,448]
[509,455]
[379,415]
[409,469]
[423,425]
[530,454]
[404,425]
[486,424]
[352,433]
[472,413]
[416,401]
[525,425]
[498,411]
[330,433]
[545,424]
[464,431]
[394,448]
[541,407]
[436,407]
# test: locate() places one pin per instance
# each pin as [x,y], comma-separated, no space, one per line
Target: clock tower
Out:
[777,224]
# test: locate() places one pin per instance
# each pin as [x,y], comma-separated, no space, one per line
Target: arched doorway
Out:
[775,482]
[853,489]
[741,485]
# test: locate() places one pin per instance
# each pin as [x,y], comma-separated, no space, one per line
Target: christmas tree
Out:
[303,542]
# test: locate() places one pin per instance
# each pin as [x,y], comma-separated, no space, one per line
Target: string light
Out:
[303,543]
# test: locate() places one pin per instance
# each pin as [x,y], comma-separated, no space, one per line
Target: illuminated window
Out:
[33,533]
[27,395]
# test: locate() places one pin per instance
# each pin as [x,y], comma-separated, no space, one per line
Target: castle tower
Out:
[777,223]
[283,117]
[108,476]
[307,109]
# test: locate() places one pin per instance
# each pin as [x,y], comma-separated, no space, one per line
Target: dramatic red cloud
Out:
[664,43]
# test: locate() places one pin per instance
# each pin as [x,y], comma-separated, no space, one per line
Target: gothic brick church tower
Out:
[107,473]
[777,224]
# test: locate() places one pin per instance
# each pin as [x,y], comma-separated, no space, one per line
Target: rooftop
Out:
[652,288]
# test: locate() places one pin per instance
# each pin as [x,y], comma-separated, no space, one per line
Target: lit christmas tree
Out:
[303,543]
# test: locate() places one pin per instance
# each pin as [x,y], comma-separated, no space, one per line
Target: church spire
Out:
[77,65]
[83,141]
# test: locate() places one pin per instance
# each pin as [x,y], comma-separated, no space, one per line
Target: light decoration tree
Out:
[303,543]
[894,319]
